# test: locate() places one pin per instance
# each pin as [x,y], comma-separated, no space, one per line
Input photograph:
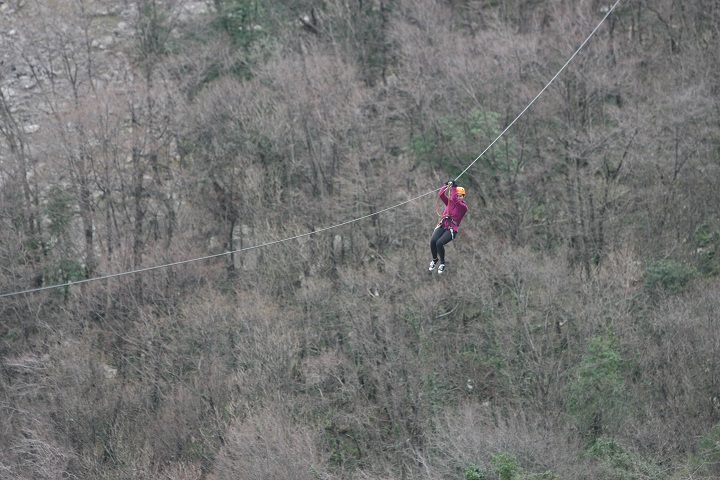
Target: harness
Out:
[446,217]
[442,223]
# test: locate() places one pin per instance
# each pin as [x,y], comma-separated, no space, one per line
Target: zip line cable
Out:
[378,212]
[607,14]
[182,262]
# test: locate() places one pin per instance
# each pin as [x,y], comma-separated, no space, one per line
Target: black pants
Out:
[439,238]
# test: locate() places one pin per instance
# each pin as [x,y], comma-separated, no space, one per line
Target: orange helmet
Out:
[460,190]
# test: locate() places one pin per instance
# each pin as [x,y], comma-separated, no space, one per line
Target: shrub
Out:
[596,393]
[473,472]
[618,463]
[668,275]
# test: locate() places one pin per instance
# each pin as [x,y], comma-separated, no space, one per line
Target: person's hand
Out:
[450,183]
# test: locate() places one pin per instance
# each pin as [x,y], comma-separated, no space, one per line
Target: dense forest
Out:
[214,238]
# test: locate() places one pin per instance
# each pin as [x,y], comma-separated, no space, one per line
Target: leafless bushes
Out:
[335,355]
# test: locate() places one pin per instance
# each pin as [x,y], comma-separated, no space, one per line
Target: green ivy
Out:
[708,456]
[506,466]
[59,211]
[668,275]
[473,472]
[422,144]
[248,25]
[620,464]
[462,138]
[596,394]
[65,271]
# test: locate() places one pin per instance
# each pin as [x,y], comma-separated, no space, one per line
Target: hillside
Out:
[215,223]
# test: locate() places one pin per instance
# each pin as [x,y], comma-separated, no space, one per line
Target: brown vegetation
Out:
[575,336]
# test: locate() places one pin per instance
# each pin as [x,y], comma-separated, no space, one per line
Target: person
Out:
[447,228]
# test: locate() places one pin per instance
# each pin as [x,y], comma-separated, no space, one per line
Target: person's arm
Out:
[443,193]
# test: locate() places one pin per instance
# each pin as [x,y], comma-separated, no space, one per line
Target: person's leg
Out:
[437,233]
[445,237]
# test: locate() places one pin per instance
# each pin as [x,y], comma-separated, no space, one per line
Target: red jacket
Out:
[455,209]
